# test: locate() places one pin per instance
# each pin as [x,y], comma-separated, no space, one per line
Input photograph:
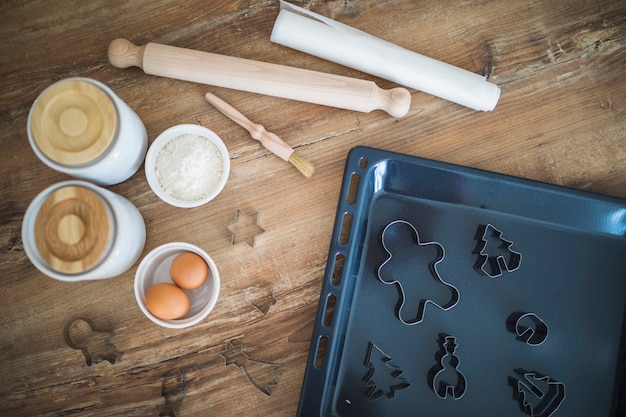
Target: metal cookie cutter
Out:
[81,334]
[244,228]
[262,375]
[538,395]
[494,252]
[406,257]
[445,378]
[528,327]
[260,298]
[383,377]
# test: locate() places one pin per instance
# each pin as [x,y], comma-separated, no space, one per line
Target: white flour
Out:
[189,167]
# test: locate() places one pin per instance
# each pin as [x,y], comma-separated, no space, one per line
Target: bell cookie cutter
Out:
[494,252]
[401,241]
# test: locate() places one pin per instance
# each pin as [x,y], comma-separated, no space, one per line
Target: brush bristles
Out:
[304,166]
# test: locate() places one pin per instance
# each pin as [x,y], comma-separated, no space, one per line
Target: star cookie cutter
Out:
[261,298]
[399,238]
[244,226]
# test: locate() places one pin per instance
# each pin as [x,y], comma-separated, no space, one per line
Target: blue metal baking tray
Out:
[451,291]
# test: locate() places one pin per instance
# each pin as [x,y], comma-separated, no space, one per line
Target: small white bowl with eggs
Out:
[164,297]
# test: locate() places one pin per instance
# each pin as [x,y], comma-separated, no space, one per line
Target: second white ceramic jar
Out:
[75,231]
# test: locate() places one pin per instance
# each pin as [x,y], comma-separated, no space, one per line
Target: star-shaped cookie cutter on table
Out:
[246,226]
[261,298]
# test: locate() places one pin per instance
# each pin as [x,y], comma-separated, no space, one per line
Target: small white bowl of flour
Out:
[187,165]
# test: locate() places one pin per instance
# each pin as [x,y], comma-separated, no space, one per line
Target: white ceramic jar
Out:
[75,231]
[80,127]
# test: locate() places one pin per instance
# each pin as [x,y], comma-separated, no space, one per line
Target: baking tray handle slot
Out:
[320,355]
[337,268]
[353,188]
[331,301]
[346,225]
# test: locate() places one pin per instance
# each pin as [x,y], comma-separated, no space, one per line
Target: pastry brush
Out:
[269,140]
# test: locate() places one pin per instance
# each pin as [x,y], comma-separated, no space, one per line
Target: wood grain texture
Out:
[561,119]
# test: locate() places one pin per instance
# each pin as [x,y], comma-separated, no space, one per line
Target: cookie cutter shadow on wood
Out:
[261,298]
[494,252]
[244,228]
[409,258]
[445,378]
[96,346]
[173,391]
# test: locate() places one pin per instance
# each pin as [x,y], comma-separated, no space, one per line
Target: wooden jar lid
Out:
[72,229]
[73,122]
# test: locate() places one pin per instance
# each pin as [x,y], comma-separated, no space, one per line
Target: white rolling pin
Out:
[320,36]
[259,77]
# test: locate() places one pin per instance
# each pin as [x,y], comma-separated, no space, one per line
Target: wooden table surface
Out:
[561,119]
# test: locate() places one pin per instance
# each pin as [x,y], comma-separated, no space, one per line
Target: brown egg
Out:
[189,270]
[167,301]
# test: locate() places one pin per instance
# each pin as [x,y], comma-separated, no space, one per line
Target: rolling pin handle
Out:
[123,54]
[396,101]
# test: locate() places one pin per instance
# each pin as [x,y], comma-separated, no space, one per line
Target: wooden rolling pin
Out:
[259,77]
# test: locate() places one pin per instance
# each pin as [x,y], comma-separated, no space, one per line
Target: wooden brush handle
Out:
[269,140]
[259,77]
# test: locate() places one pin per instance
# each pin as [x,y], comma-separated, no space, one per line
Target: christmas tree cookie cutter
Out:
[383,377]
[406,255]
[494,252]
